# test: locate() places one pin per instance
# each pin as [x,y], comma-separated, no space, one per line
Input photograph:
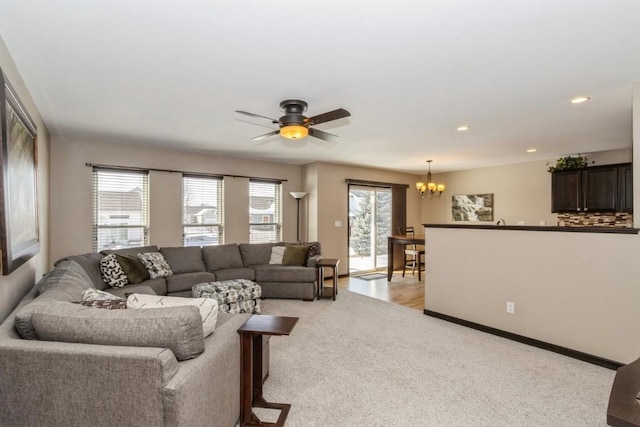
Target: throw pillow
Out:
[156,264]
[295,255]
[134,269]
[314,248]
[109,304]
[208,307]
[92,294]
[277,253]
[112,273]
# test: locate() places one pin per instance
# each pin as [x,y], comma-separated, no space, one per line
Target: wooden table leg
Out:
[246,388]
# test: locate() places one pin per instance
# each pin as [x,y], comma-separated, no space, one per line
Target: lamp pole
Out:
[298,195]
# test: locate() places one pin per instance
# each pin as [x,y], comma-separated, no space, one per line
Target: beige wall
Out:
[328,191]
[576,290]
[71,200]
[521,192]
[14,286]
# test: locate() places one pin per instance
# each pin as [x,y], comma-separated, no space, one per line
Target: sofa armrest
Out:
[313,260]
[42,383]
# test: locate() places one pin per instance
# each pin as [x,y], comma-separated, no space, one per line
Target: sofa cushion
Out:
[256,253]
[90,262]
[236,273]
[184,259]
[131,251]
[176,328]
[208,307]
[295,255]
[222,256]
[134,269]
[281,273]
[185,281]
[112,272]
[66,282]
[155,264]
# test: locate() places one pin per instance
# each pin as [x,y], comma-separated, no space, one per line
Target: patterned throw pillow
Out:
[109,304]
[92,294]
[101,299]
[314,248]
[112,273]
[156,264]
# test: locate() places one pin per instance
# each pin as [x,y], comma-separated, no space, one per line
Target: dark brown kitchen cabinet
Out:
[593,189]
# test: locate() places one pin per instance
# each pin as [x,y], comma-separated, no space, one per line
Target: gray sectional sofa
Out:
[62,363]
[193,265]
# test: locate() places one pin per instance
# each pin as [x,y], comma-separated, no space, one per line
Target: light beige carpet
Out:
[359,361]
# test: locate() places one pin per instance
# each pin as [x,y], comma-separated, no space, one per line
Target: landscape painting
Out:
[19,235]
[472,207]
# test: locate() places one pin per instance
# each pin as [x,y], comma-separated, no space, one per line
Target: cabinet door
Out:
[600,189]
[625,188]
[565,191]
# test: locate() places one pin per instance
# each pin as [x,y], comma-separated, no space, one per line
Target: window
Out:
[202,210]
[120,208]
[264,212]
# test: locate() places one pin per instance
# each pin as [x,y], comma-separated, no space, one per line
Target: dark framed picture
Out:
[19,233]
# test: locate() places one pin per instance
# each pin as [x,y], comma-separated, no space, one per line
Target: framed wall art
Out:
[472,207]
[19,233]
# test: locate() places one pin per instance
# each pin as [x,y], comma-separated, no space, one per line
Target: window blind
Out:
[202,210]
[120,209]
[265,222]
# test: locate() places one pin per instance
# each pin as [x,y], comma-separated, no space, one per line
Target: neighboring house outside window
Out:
[202,210]
[120,208]
[265,222]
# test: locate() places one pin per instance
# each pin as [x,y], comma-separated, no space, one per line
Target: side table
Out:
[321,265]
[251,334]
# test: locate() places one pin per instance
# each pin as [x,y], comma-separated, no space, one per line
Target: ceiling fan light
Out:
[294,132]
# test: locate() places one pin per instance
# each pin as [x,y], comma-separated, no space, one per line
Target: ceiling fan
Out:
[294,125]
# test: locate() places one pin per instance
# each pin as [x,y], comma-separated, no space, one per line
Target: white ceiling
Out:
[171,74]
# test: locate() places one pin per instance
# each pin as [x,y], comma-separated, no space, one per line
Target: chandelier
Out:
[429,189]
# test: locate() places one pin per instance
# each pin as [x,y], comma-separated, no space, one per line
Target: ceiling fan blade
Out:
[258,115]
[257,138]
[340,113]
[325,136]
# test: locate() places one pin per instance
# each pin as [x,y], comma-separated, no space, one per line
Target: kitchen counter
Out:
[612,230]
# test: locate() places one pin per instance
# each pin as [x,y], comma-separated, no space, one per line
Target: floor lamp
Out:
[298,195]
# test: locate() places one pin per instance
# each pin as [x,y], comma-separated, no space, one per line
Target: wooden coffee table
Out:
[251,334]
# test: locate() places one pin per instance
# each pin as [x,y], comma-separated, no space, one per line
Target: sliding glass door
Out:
[369,227]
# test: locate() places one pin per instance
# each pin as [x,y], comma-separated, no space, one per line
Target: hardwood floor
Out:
[406,291]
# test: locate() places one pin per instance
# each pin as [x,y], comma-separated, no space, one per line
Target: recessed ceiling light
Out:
[463,128]
[531,150]
[580,99]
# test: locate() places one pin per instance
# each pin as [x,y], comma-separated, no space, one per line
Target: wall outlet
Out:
[520,222]
[338,223]
[511,307]
[543,223]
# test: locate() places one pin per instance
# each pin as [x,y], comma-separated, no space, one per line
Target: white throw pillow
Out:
[112,272]
[208,307]
[277,253]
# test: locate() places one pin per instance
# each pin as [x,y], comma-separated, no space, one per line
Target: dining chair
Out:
[413,256]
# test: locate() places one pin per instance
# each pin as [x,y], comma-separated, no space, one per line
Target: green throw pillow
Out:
[134,269]
[295,255]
